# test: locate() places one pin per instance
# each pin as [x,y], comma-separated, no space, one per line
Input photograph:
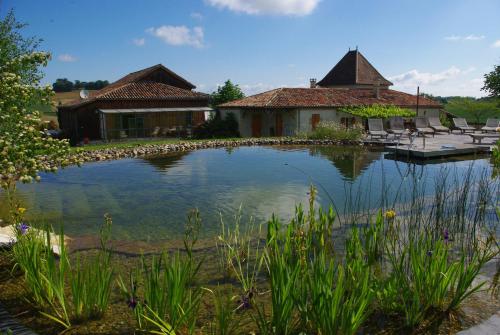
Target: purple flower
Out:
[246,300]
[23,228]
[429,253]
[446,236]
[132,303]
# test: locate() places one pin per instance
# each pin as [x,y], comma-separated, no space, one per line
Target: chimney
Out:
[312,82]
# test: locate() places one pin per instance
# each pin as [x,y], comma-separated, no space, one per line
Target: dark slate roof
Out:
[353,69]
[329,97]
[137,85]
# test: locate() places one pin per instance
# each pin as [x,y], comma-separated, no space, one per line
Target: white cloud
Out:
[66,58]
[496,44]
[273,7]
[452,81]
[197,16]
[471,37]
[414,78]
[139,41]
[179,35]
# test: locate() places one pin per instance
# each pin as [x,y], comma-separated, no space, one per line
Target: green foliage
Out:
[474,110]
[91,282]
[377,111]
[238,256]
[496,155]
[170,299]
[65,85]
[226,320]
[216,127]
[23,149]
[429,280]
[45,276]
[331,130]
[226,93]
[492,82]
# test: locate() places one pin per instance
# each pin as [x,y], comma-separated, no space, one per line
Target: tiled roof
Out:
[328,97]
[148,90]
[353,69]
[136,86]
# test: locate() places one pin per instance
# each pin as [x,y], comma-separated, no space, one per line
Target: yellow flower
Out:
[390,214]
[21,210]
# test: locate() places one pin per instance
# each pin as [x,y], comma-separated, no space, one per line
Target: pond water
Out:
[149,198]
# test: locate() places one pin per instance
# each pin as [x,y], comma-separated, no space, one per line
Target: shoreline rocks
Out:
[183,146]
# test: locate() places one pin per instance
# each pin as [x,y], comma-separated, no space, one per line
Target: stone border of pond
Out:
[158,149]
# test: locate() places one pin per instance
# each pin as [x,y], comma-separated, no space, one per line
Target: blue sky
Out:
[444,46]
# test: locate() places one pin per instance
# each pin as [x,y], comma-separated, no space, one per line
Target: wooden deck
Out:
[442,145]
[8,323]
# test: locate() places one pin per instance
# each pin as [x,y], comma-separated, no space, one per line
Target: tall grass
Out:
[171,298]
[239,252]
[48,275]
[92,281]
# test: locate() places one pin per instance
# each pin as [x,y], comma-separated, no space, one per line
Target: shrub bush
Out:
[216,127]
[331,130]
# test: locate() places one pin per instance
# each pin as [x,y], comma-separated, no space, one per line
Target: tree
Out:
[226,93]
[492,82]
[24,149]
[62,85]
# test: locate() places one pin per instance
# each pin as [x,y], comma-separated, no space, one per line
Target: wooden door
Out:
[279,125]
[256,125]
[314,121]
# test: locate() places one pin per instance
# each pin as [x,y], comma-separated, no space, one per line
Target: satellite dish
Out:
[84,94]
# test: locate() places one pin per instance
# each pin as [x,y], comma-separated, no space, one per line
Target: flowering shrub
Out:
[378,111]
[24,150]
[332,130]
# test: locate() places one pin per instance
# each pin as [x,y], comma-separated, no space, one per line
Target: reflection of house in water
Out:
[164,162]
[350,161]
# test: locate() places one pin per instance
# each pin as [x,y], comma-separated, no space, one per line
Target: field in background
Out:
[50,113]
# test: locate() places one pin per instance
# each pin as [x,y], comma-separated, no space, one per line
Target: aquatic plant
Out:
[226,321]
[430,279]
[92,281]
[171,297]
[240,252]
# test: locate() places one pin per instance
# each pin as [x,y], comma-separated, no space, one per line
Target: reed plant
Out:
[431,279]
[227,319]
[171,298]
[44,274]
[240,252]
[91,282]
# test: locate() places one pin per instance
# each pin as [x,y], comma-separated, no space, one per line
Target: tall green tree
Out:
[227,92]
[24,148]
[62,85]
[492,82]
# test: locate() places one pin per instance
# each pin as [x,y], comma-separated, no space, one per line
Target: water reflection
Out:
[351,162]
[149,198]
